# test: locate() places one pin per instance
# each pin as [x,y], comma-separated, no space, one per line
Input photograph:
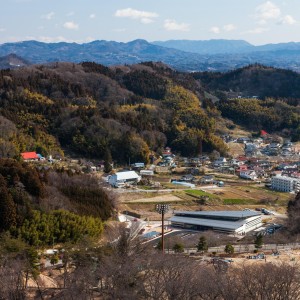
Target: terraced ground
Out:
[207,198]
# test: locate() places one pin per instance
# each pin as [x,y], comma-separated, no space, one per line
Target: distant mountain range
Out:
[211,47]
[183,55]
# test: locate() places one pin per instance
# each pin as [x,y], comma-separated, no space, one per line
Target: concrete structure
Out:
[285,184]
[236,222]
[120,179]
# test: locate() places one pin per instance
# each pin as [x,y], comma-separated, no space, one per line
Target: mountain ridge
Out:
[213,56]
[218,46]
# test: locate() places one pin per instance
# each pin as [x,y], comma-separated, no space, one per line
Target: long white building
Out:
[119,179]
[236,222]
[285,184]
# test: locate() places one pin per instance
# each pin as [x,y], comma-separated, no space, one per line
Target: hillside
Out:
[88,109]
[12,61]
[254,80]
[257,97]
[40,205]
[129,112]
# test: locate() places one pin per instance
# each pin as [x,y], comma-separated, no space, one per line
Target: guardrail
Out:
[242,248]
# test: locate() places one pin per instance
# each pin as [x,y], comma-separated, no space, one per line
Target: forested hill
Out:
[12,61]
[254,80]
[128,112]
[89,109]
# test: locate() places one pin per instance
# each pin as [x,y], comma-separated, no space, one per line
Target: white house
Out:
[121,178]
[207,179]
[248,174]
[220,161]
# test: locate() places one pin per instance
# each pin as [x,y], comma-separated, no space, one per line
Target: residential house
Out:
[248,174]
[243,140]
[220,161]
[241,168]
[207,179]
[30,156]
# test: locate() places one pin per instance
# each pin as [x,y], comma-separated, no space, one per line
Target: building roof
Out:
[126,175]
[241,219]
[230,225]
[29,155]
[222,213]
[285,178]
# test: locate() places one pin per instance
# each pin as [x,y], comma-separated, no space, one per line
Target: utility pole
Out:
[162,209]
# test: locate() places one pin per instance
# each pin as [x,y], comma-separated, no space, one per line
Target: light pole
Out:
[162,209]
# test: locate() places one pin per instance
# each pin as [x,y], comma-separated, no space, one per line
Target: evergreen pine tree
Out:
[258,241]
[107,160]
[178,248]
[8,214]
[229,249]
[202,244]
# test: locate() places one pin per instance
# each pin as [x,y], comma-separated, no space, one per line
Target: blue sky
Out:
[258,22]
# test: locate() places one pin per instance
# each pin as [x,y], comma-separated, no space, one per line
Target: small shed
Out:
[147,172]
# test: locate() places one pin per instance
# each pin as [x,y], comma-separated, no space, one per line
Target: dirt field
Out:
[159,199]
[226,198]
[256,193]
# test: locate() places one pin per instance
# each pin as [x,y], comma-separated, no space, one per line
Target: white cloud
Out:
[229,27]
[215,29]
[147,20]
[51,39]
[89,39]
[92,16]
[172,25]
[2,29]
[287,20]
[267,11]
[48,16]
[143,16]
[257,30]
[71,25]
[69,14]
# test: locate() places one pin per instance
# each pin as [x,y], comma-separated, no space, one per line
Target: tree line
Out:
[128,270]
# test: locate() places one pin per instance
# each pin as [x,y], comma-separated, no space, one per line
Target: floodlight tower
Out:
[162,209]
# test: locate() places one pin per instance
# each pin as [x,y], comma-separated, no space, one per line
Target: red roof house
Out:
[263,132]
[29,155]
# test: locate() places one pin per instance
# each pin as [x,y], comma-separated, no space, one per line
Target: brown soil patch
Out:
[160,199]
[236,149]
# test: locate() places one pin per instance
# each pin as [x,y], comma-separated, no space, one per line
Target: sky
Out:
[81,21]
